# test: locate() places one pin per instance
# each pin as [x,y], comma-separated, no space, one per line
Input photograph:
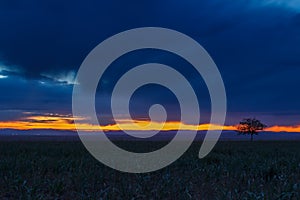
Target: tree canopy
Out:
[250,126]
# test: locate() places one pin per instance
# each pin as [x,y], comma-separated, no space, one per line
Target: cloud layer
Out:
[255,44]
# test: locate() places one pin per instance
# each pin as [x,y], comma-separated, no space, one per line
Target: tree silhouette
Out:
[250,126]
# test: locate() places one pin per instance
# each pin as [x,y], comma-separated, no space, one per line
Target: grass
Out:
[233,170]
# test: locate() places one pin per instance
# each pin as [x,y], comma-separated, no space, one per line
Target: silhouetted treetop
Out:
[250,126]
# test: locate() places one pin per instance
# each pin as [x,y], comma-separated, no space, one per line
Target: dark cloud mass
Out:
[256,45]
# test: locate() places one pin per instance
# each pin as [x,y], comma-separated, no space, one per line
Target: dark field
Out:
[234,170]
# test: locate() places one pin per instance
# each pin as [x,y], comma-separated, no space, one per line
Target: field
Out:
[234,170]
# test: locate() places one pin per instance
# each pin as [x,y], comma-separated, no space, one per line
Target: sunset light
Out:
[67,123]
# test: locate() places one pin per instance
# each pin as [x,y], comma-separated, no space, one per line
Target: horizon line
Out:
[60,123]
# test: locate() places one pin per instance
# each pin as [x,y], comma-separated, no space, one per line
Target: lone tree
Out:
[250,126]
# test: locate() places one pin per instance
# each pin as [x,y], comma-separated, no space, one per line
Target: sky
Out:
[255,44]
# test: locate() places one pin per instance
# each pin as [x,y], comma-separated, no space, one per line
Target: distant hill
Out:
[28,135]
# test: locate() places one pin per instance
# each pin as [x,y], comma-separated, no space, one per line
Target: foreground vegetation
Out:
[234,170]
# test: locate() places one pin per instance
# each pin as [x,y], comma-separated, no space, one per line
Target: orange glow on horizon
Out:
[67,123]
[284,128]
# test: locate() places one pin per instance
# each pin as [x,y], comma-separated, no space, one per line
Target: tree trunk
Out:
[251,137]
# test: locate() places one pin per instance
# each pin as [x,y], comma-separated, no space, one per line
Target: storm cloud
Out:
[255,44]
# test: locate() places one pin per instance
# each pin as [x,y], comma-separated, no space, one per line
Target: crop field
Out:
[233,170]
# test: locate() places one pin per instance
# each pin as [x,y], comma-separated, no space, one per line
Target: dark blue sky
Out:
[255,44]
